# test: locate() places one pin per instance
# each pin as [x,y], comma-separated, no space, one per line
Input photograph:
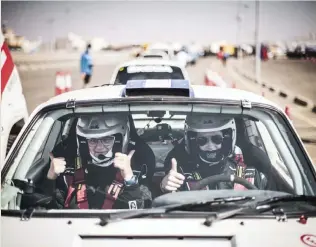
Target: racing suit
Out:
[98,183]
[195,170]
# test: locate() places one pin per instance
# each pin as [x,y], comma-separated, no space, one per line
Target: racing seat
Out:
[145,153]
[258,159]
[164,144]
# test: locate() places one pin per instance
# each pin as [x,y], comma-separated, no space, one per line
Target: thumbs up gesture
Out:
[57,166]
[123,162]
[173,180]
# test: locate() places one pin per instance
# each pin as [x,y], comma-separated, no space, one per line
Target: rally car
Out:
[146,68]
[280,213]
[162,47]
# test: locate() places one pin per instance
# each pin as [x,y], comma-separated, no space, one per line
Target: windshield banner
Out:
[149,68]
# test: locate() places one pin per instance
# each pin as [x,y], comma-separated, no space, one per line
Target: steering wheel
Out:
[223,178]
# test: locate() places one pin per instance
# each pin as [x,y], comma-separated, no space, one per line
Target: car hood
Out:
[87,232]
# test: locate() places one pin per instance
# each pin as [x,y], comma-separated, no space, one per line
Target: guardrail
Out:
[296,99]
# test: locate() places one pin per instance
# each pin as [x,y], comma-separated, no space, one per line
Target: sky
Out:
[142,21]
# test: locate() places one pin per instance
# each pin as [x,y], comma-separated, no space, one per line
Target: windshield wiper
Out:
[132,214]
[27,214]
[222,216]
[207,204]
[272,202]
[228,213]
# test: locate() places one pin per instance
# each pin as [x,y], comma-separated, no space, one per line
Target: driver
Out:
[99,173]
[208,149]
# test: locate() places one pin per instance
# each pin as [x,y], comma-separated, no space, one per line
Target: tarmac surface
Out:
[298,77]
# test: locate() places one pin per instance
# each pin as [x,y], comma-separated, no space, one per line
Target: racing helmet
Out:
[205,123]
[115,126]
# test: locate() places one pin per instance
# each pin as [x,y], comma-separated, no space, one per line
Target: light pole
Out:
[51,22]
[239,18]
[258,45]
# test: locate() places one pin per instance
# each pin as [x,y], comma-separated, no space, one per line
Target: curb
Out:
[298,100]
[283,94]
[271,89]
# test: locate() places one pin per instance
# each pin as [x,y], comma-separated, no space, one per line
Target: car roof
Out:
[151,52]
[115,91]
[147,61]
[159,46]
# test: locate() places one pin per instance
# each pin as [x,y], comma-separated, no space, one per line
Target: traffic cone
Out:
[68,82]
[208,81]
[59,83]
[205,80]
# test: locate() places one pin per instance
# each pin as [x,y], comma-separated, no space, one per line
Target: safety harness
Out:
[196,176]
[241,171]
[77,186]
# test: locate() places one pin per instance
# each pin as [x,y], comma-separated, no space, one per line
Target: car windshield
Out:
[121,155]
[144,72]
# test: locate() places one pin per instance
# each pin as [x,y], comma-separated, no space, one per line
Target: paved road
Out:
[297,77]
[39,87]
[59,61]
[39,84]
[50,57]
[303,119]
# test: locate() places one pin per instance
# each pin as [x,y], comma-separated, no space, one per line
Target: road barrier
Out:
[63,82]
[298,100]
[212,78]
[287,111]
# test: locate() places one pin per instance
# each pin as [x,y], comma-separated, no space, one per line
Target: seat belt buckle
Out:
[114,190]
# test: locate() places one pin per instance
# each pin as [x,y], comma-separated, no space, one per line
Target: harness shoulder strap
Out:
[242,171]
[196,177]
[113,192]
[77,183]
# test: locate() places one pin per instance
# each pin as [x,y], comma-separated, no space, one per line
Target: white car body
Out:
[75,232]
[196,49]
[177,46]
[179,231]
[183,58]
[114,92]
[14,111]
[200,91]
[154,55]
[160,47]
[149,62]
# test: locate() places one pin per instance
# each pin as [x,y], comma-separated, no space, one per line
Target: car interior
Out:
[160,132]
